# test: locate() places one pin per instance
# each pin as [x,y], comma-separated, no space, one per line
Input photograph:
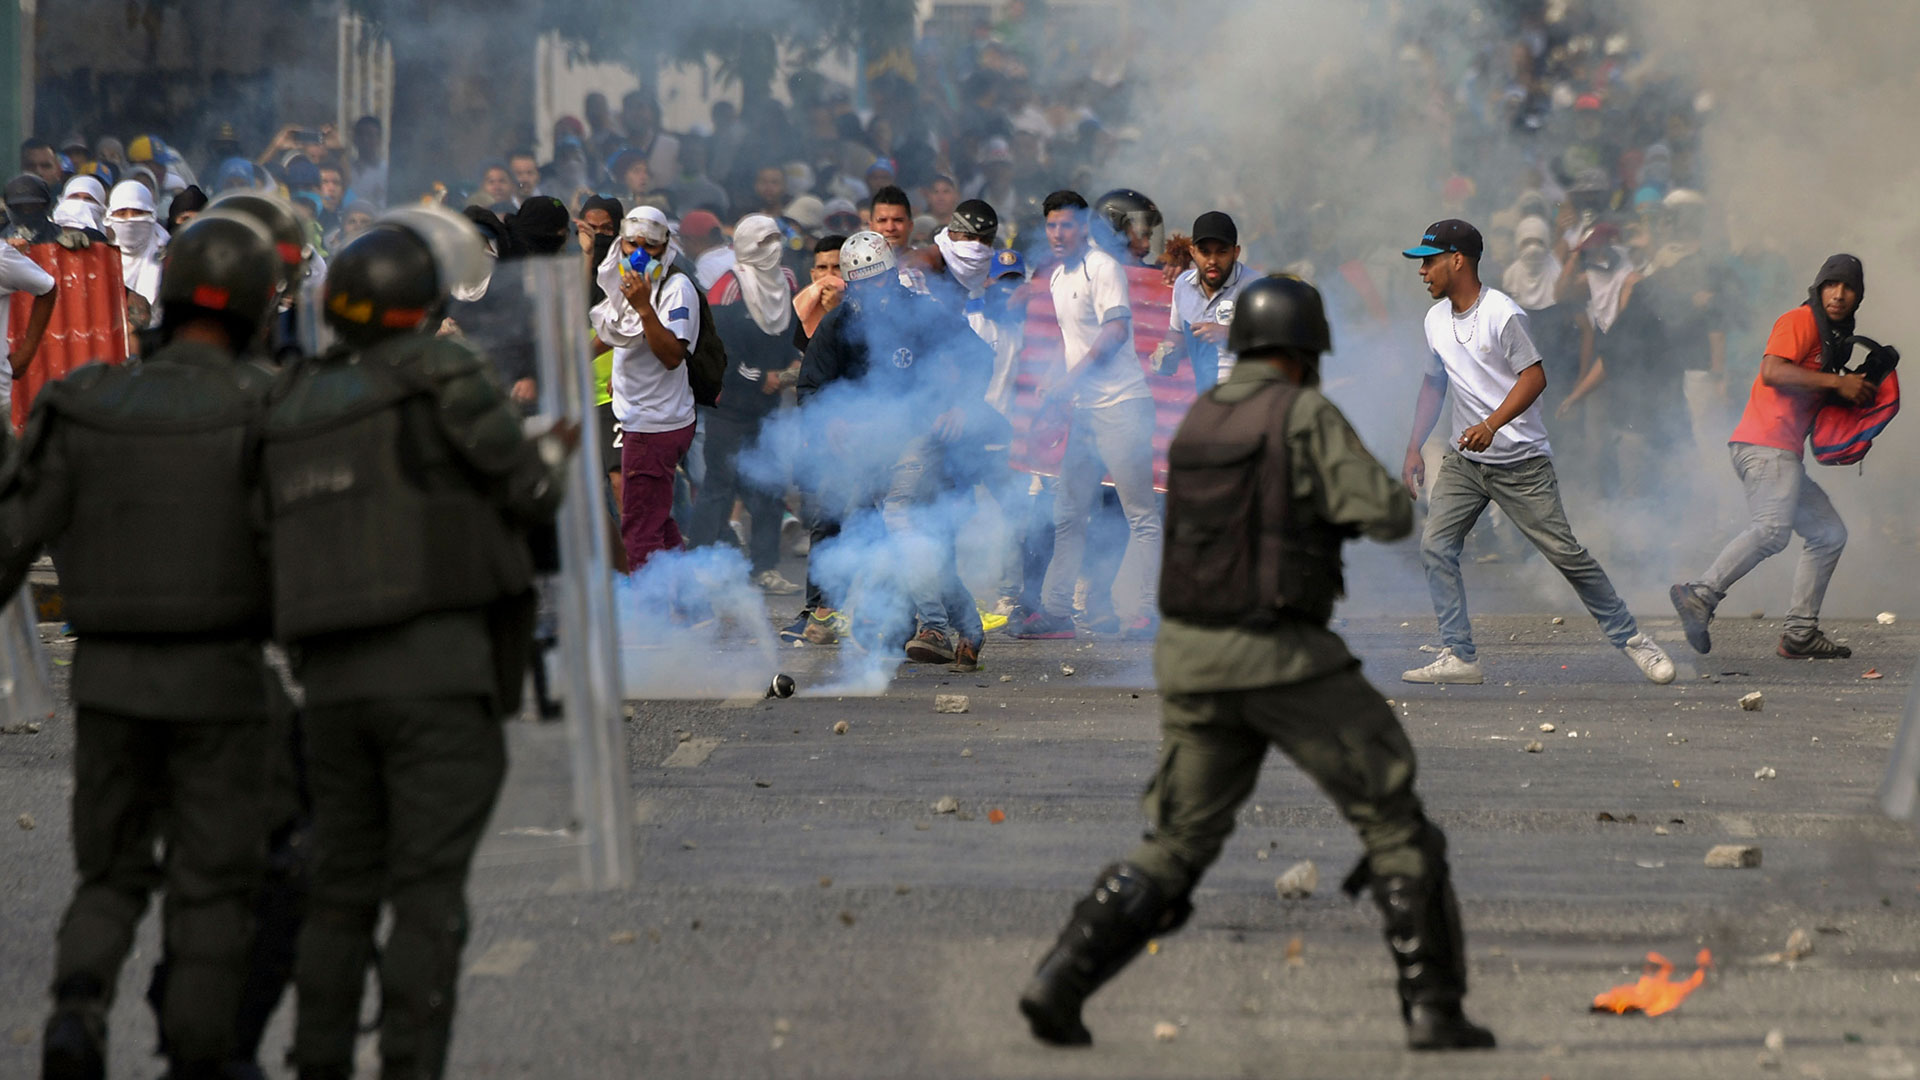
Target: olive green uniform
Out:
[135,478]
[398,489]
[1230,691]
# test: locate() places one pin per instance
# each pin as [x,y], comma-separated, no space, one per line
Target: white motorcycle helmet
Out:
[866,255]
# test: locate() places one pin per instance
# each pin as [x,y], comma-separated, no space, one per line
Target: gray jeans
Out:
[1118,441]
[1781,500]
[1529,494]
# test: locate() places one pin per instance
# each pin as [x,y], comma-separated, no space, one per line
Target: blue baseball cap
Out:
[1449,235]
[1007,261]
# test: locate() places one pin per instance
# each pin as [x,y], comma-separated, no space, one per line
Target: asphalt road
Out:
[802,911]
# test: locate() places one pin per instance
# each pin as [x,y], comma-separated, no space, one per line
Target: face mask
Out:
[601,245]
[131,234]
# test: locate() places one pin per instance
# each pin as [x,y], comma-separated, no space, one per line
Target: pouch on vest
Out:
[1842,433]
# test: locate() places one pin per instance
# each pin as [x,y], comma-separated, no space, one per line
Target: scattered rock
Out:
[1558,621]
[1299,881]
[1166,1032]
[966,752]
[689,845]
[26,821]
[902,890]
[826,883]
[1296,952]
[682,736]
[763,783]
[1756,615]
[1006,678]
[1733,857]
[922,826]
[1660,830]
[1066,669]
[839,727]
[1776,1041]
[1753,702]
[1547,727]
[996,816]
[1630,819]
[1870,673]
[1799,946]
[947,805]
[950,703]
[782,1026]
[846,918]
[25,727]
[1534,746]
[1765,772]
[622,937]
[1886,618]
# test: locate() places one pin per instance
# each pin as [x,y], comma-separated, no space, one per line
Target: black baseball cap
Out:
[1214,225]
[1449,235]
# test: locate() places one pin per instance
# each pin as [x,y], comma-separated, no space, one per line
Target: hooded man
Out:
[83,205]
[651,317]
[29,200]
[1535,272]
[752,303]
[1803,370]
[133,228]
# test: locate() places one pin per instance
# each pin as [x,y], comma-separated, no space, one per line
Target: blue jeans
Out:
[1529,494]
[1116,441]
[920,513]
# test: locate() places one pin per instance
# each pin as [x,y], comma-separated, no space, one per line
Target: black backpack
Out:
[707,364]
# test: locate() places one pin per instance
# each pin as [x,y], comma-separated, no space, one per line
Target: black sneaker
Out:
[75,1044]
[1695,614]
[1039,626]
[1812,645]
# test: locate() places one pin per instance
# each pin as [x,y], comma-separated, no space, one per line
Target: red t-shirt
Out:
[1777,417]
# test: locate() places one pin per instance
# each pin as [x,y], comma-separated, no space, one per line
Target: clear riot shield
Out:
[565,816]
[26,685]
[1900,791]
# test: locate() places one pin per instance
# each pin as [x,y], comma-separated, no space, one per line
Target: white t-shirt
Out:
[17,274]
[1482,351]
[1088,293]
[647,395]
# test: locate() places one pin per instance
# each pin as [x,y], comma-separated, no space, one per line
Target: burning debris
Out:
[1655,992]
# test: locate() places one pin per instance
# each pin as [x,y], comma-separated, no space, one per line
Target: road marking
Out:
[503,957]
[691,753]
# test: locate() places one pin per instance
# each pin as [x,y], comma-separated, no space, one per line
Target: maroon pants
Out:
[647,461]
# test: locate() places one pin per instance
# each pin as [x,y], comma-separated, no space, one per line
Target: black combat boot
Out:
[1423,931]
[1109,927]
[75,1044]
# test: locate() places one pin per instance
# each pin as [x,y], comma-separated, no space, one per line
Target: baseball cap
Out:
[1214,225]
[699,223]
[883,164]
[995,149]
[145,148]
[1007,261]
[1444,236]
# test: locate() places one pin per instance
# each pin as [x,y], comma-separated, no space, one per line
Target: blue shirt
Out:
[1191,306]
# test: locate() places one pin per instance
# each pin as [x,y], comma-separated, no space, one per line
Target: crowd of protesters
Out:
[976,159]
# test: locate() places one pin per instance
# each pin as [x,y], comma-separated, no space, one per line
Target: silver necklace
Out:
[1472,321]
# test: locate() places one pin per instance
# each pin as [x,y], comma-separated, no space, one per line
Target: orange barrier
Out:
[89,318]
[1040,436]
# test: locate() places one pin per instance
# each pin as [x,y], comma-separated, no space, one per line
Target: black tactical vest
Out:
[162,538]
[1238,550]
[375,517]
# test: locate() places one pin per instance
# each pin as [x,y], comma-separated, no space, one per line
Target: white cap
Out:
[864,255]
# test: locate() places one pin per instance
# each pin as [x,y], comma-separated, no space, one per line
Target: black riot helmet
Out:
[1134,226]
[382,284]
[222,266]
[398,274]
[289,238]
[1276,313]
[975,217]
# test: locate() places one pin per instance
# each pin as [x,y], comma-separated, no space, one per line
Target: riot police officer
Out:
[398,491]
[136,476]
[1266,481]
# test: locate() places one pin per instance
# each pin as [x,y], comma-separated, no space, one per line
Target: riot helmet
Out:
[1275,313]
[224,266]
[289,237]
[382,284]
[1133,228]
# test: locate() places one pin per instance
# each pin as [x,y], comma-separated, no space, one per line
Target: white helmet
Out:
[865,255]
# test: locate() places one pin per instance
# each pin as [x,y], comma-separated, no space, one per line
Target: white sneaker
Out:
[1650,658]
[1447,668]
[772,583]
[1007,606]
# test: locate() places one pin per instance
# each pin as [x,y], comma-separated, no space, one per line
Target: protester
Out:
[133,229]
[1203,303]
[19,274]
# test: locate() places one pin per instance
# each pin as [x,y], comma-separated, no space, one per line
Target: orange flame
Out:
[1655,993]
